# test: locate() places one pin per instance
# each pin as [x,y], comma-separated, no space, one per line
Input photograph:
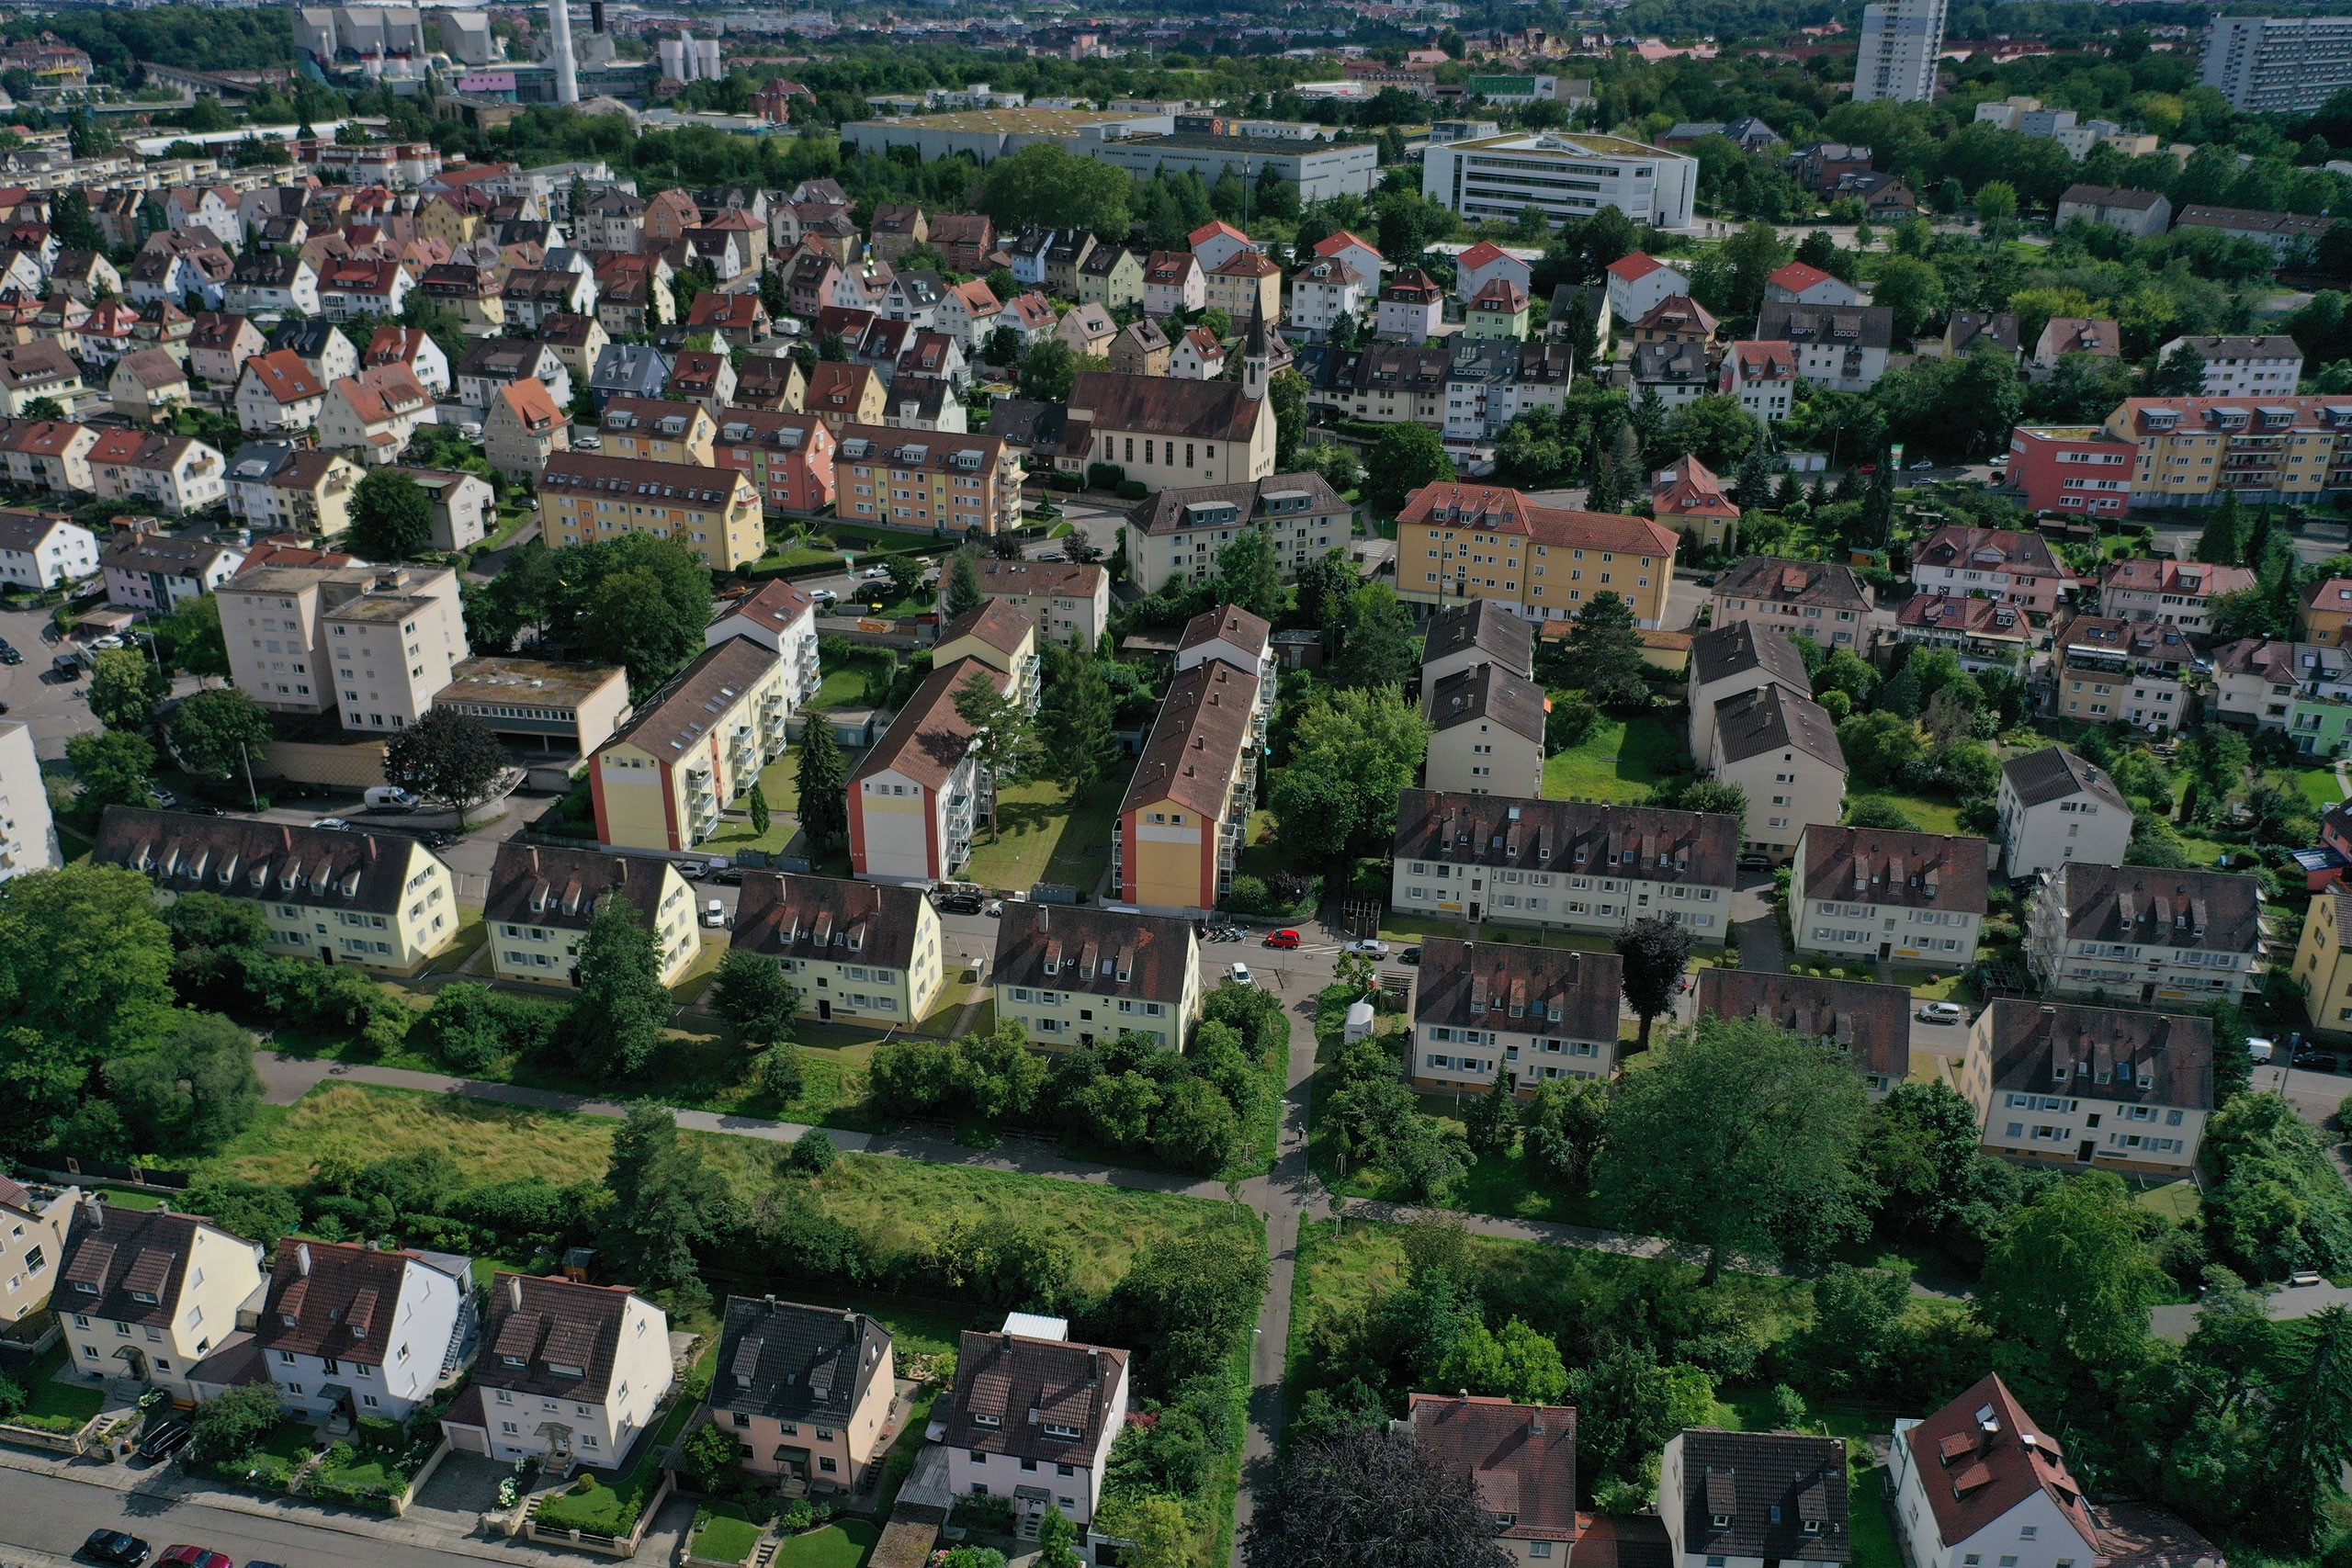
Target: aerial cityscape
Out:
[1392,783]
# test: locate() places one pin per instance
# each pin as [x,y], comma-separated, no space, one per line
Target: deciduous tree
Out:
[616,1023]
[1656,953]
[216,732]
[125,687]
[1369,1500]
[1379,648]
[114,767]
[2071,1277]
[1404,458]
[447,756]
[392,517]
[753,995]
[193,1091]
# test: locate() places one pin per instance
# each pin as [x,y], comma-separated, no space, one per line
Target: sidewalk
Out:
[286,1079]
[430,1529]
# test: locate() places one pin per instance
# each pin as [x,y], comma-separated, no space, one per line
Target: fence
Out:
[76,1442]
[71,1168]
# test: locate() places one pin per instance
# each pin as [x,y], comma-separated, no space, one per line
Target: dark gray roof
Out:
[1774,718]
[2140,1058]
[1843,326]
[556,886]
[1765,1487]
[1557,991]
[1566,836]
[2218,911]
[2054,773]
[1743,648]
[1485,624]
[826,917]
[795,1362]
[316,867]
[1071,947]
[1823,583]
[1487,691]
[1922,871]
[1165,512]
[1041,1399]
[1870,1022]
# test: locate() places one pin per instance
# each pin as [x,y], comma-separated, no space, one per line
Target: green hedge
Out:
[1131,489]
[1106,476]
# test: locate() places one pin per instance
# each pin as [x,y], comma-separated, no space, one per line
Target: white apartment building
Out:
[1078,975]
[1069,602]
[1481,1009]
[1567,865]
[1566,174]
[1034,1420]
[783,619]
[2278,64]
[1782,750]
[2055,807]
[1729,660]
[2090,1085]
[857,950]
[1901,42]
[2019,1506]
[28,831]
[1174,536]
[2270,365]
[41,549]
[376,641]
[2138,933]
[1875,893]
[565,1369]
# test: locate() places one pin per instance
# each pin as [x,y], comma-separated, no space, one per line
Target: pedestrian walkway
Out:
[286,1079]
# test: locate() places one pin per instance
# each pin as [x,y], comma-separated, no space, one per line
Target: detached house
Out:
[2170,936]
[1874,893]
[146,1294]
[1755,1496]
[1978,1479]
[1521,1462]
[31,371]
[220,345]
[523,427]
[370,416]
[1822,599]
[2090,1085]
[1531,1013]
[805,1392]
[278,391]
[351,1331]
[147,385]
[2055,807]
[492,363]
[41,549]
[567,1370]
[1034,1420]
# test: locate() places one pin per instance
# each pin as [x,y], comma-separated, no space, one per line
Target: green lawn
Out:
[2319,786]
[1041,835]
[54,1401]
[472,934]
[779,784]
[844,682]
[728,1535]
[1933,815]
[1618,762]
[846,1543]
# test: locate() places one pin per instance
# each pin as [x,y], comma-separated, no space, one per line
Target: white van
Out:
[716,915]
[384,796]
[2258,1049]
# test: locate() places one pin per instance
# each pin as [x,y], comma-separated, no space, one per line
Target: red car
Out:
[1282,939]
[193,1557]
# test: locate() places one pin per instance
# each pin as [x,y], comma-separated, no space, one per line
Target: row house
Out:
[385,903]
[1478,541]
[2170,936]
[1076,976]
[2090,1087]
[2169,592]
[1485,1013]
[1872,893]
[1822,599]
[1843,348]
[1869,1024]
[542,903]
[714,513]
[853,950]
[176,473]
[695,747]
[1181,828]
[2108,671]
[42,550]
[1570,865]
[568,1374]
[2004,565]
[788,456]
[1983,634]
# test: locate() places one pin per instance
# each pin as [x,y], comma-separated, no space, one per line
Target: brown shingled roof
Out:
[1207,410]
[1500,986]
[1099,952]
[1521,1459]
[549,886]
[1876,865]
[1034,1391]
[1202,728]
[1872,1022]
[929,737]
[826,917]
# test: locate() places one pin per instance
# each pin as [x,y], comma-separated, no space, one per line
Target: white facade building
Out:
[1901,42]
[1566,174]
[2278,64]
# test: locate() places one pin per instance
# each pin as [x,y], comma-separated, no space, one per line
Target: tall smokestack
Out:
[567,82]
[595,15]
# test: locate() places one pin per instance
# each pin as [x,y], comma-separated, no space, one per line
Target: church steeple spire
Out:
[1255,359]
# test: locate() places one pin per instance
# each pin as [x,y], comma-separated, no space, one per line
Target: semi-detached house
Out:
[41,549]
[2142,933]
[351,1331]
[1034,1421]
[1481,1009]
[566,1370]
[859,950]
[1571,866]
[1822,599]
[2002,564]
[1076,976]
[145,1294]
[2176,594]
[343,898]
[2090,1085]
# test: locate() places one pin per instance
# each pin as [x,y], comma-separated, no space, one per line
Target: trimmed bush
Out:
[1131,489]
[1066,482]
[1106,476]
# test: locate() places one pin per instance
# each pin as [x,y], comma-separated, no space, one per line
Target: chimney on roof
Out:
[302,1258]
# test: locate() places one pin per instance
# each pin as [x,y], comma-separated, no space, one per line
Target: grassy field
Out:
[845,682]
[2319,786]
[1933,815]
[782,790]
[1618,762]
[846,1543]
[728,1535]
[898,1204]
[1041,835]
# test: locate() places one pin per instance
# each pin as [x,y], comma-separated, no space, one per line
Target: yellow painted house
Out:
[542,901]
[1075,976]
[697,746]
[1182,827]
[856,950]
[659,431]
[2324,963]
[1001,635]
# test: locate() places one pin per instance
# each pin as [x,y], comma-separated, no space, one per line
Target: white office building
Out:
[2278,64]
[1566,174]
[1900,43]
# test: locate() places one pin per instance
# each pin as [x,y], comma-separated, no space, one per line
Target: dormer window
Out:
[987,1421]
[563,1370]
[290,1320]
[1813,1527]
[1720,1521]
[1056,1429]
[516,1361]
[146,1296]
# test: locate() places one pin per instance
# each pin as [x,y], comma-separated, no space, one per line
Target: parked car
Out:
[2315,1061]
[960,904]
[1410,955]
[1370,948]
[10,656]
[1241,976]
[1940,1012]
[825,598]
[728,876]
[164,797]
[389,798]
[2259,1050]
[161,1441]
[1755,862]
[116,1546]
[194,1557]
[716,915]
[1282,939]
[332,824]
